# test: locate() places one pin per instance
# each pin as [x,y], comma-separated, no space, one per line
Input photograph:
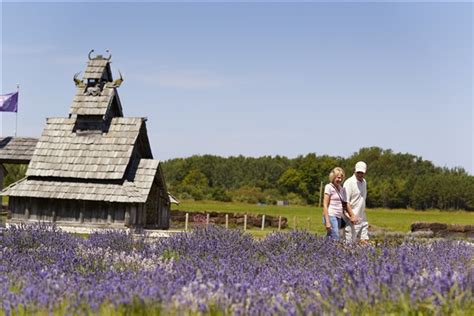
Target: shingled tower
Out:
[94,167]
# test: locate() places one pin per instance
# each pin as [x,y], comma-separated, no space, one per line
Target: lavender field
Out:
[226,272]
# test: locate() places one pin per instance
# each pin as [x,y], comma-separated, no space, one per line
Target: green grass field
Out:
[387,220]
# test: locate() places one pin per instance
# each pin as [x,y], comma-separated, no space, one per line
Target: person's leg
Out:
[357,231]
[350,233]
[335,223]
[364,232]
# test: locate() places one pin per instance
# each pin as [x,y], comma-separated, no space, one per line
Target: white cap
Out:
[361,167]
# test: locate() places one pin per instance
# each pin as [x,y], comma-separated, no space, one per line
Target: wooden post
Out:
[263,221]
[109,213]
[159,207]
[139,215]
[81,213]
[320,193]
[133,215]
[143,215]
[207,219]
[27,212]
[245,222]
[227,221]
[2,175]
[279,222]
[186,221]
[126,216]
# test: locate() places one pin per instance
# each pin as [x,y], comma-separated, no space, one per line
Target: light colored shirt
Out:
[335,204]
[357,195]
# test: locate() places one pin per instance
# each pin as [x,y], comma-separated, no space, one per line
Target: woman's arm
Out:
[325,212]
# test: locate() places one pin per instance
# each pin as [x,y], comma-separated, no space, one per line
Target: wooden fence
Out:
[186,220]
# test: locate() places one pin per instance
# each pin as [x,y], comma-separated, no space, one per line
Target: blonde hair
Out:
[338,171]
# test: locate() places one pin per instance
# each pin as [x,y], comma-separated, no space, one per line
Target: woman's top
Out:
[335,204]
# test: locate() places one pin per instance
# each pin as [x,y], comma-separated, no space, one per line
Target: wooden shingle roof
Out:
[62,153]
[95,68]
[142,176]
[135,190]
[17,149]
[92,105]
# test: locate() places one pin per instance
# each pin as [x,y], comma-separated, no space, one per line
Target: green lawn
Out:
[388,220]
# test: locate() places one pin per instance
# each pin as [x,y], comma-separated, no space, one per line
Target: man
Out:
[356,189]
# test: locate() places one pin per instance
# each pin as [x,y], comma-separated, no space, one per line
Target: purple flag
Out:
[9,102]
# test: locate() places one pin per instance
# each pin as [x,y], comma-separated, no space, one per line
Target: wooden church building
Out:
[94,168]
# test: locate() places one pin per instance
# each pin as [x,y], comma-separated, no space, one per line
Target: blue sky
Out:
[258,79]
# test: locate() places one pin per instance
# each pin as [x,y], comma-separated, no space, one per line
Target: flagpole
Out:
[18,103]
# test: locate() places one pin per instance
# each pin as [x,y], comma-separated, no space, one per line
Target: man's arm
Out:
[349,190]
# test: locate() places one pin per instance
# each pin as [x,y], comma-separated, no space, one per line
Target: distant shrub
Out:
[248,194]
[295,199]
[219,194]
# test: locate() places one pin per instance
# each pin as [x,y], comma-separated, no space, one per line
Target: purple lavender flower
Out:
[213,270]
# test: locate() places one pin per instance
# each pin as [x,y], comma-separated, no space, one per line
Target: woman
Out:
[334,195]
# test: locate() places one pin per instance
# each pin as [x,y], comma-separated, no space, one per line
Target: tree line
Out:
[395,180]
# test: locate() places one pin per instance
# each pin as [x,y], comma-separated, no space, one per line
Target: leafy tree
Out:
[196,184]
[395,180]
[15,172]
[292,181]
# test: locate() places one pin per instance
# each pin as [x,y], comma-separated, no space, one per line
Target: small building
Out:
[95,167]
[15,150]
